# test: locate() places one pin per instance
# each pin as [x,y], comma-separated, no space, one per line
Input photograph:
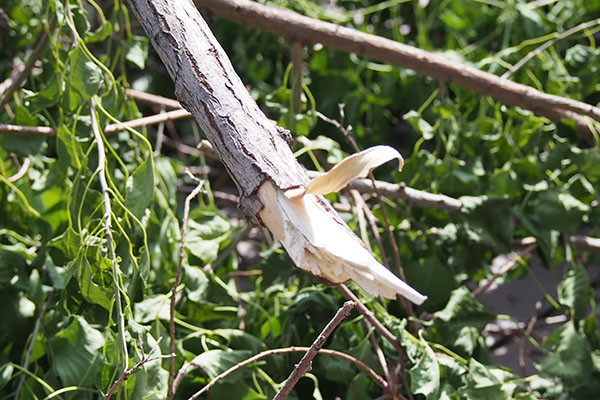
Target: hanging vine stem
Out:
[186,212]
[109,237]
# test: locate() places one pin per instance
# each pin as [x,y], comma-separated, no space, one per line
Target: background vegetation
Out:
[76,297]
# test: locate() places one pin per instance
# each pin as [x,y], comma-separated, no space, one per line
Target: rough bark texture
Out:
[297,27]
[251,146]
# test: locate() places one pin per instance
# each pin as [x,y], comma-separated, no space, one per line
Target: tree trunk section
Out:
[251,146]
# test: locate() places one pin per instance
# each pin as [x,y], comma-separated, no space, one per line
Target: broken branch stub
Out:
[255,153]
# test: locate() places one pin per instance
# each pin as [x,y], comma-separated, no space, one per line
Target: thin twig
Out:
[19,75]
[153,98]
[185,368]
[381,329]
[146,121]
[368,314]
[304,365]
[160,134]
[36,329]
[297,50]
[146,358]
[109,237]
[504,269]
[386,222]
[549,43]
[373,225]
[27,130]
[186,212]
[380,356]
[359,212]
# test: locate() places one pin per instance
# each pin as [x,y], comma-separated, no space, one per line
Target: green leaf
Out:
[140,188]
[419,124]
[205,234]
[460,323]
[486,382]
[574,290]
[197,284]
[93,292]
[84,79]
[487,221]
[157,307]
[68,148]
[569,357]
[425,374]
[559,210]
[75,353]
[136,51]
[432,278]
[213,362]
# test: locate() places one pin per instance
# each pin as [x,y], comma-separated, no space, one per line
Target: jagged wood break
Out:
[256,152]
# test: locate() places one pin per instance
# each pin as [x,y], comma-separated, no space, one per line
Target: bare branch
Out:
[153,98]
[27,130]
[19,75]
[36,329]
[294,26]
[186,367]
[151,120]
[304,365]
[504,269]
[146,358]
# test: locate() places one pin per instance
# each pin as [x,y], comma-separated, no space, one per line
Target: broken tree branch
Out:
[257,154]
[294,26]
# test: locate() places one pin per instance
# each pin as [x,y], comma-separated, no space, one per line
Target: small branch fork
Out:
[303,366]
[146,358]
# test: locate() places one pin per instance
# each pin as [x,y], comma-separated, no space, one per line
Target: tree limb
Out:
[294,26]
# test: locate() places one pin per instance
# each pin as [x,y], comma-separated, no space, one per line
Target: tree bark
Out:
[250,145]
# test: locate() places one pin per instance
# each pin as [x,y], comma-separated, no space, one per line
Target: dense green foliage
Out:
[516,174]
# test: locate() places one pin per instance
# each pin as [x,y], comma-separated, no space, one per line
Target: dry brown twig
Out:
[293,349]
[304,365]
[504,269]
[146,358]
[36,329]
[301,368]
[19,75]
[406,305]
